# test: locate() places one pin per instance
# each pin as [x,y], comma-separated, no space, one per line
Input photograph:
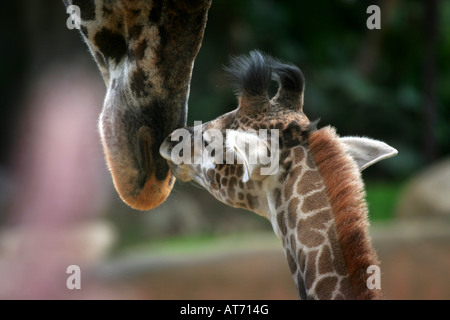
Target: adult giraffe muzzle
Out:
[145,51]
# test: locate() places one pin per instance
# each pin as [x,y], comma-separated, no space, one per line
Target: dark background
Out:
[390,84]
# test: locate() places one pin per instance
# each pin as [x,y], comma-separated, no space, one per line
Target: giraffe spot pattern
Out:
[292,212]
[138,83]
[287,165]
[210,174]
[253,202]
[311,267]
[283,176]
[139,51]
[293,243]
[156,12]
[299,154]
[309,229]
[111,44]
[282,222]
[224,181]
[314,201]
[338,262]
[87,9]
[310,181]
[325,260]
[301,287]
[325,287]
[289,186]
[135,31]
[291,262]
[240,171]
[106,11]
[301,258]
[310,162]
[277,195]
[232,188]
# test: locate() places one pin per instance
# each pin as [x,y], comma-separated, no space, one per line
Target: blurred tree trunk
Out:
[429,79]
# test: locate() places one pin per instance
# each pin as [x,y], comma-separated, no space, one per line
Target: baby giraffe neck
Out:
[322,219]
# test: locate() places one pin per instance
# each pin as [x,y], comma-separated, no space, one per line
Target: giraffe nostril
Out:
[165,149]
[144,157]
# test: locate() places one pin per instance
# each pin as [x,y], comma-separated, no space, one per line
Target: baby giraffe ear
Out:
[249,149]
[367,151]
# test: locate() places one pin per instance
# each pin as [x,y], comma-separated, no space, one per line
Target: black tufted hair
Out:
[252,74]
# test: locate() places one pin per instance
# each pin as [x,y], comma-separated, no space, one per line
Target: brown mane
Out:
[346,194]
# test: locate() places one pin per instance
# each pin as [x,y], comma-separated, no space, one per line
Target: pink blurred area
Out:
[58,166]
[58,191]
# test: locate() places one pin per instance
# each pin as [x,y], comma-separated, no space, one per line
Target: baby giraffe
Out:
[268,157]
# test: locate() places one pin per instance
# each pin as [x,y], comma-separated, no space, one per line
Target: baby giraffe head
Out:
[268,157]
[238,154]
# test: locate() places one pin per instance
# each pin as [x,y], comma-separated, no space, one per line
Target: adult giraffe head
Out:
[145,51]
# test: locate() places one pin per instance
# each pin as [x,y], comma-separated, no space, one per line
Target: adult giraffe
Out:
[145,51]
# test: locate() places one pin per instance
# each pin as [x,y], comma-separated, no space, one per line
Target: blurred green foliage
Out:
[363,82]
[382,199]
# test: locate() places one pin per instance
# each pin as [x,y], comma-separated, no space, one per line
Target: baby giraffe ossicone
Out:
[313,195]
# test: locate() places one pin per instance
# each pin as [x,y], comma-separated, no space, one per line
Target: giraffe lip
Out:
[181,172]
[135,179]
